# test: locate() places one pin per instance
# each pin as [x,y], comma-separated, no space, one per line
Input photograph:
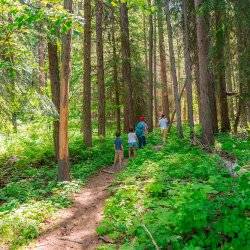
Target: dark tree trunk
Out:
[202,40]
[220,71]
[173,71]
[150,70]
[155,75]
[115,75]
[126,65]
[163,65]
[55,90]
[100,69]
[188,68]
[63,161]
[87,121]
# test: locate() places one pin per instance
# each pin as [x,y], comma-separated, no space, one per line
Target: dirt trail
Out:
[75,227]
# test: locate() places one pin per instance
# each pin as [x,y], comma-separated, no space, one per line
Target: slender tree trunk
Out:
[155,75]
[41,62]
[202,40]
[150,69]
[126,66]
[63,161]
[87,121]
[188,68]
[55,90]
[115,75]
[173,71]
[100,69]
[163,65]
[194,52]
[220,70]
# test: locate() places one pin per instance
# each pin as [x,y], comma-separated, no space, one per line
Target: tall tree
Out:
[220,65]
[63,159]
[54,75]
[173,71]
[115,73]
[100,68]
[202,40]
[126,65]
[163,64]
[155,75]
[188,67]
[150,68]
[87,121]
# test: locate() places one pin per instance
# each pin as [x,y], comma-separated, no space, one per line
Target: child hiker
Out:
[118,149]
[163,123]
[132,143]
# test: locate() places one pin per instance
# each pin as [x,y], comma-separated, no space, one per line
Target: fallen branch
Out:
[107,172]
[151,237]
[75,241]
[106,239]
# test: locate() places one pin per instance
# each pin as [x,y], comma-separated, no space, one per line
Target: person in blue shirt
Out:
[118,147]
[141,130]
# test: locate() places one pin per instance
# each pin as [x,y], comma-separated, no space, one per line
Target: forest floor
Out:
[75,227]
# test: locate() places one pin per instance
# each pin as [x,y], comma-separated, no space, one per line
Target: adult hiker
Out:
[163,123]
[141,130]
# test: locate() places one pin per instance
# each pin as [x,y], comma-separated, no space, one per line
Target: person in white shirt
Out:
[163,123]
[132,143]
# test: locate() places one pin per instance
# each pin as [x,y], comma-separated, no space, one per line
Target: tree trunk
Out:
[126,66]
[173,71]
[220,71]
[202,41]
[150,69]
[100,69]
[188,68]
[155,75]
[87,121]
[55,90]
[163,65]
[63,161]
[41,63]
[115,75]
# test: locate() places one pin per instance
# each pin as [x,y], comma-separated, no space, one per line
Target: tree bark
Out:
[202,41]
[188,68]
[173,71]
[220,70]
[87,120]
[63,161]
[163,65]
[115,75]
[150,69]
[126,65]
[155,75]
[100,69]
[55,90]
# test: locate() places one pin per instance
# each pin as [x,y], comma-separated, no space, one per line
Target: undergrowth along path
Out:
[75,227]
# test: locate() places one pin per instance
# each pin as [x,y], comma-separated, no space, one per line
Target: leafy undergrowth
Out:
[29,190]
[181,198]
[240,148]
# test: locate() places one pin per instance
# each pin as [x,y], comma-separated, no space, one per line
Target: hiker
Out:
[118,149]
[132,143]
[163,123]
[140,130]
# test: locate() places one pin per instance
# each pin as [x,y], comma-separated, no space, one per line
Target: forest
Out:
[77,80]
